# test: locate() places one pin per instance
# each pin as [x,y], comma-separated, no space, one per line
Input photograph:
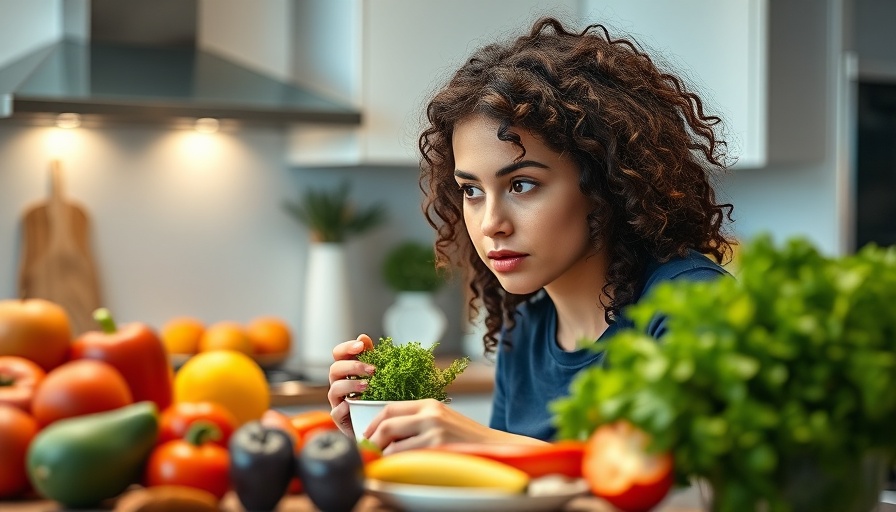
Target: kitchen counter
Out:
[477,379]
[686,500]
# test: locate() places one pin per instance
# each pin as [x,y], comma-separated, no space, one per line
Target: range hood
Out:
[149,80]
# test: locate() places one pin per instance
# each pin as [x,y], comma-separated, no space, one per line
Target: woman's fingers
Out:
[402,420]
[341,417]
[365,339]
[341,388]
[348,350]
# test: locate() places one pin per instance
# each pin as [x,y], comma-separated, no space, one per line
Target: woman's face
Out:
[526,217]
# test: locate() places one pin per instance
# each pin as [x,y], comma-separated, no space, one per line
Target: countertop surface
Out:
[478,378]
[686,500]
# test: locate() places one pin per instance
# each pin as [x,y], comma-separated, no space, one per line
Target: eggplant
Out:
[331,471]
[261,465]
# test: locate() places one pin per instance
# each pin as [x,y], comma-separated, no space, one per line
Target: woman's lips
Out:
[506,261]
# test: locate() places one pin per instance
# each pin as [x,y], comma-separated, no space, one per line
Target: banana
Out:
[433,467]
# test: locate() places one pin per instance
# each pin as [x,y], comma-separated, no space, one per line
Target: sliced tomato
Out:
[619,469]
[537,460]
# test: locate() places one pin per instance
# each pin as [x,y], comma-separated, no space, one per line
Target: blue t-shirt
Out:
[535,370]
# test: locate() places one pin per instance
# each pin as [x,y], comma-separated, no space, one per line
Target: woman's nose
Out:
[495,221]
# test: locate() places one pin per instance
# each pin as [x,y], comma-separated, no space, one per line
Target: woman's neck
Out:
[576,296]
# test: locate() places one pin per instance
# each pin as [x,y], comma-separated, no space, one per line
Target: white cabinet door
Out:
[719,46]
[406,49]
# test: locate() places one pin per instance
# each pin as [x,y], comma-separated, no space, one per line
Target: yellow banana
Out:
[433,467]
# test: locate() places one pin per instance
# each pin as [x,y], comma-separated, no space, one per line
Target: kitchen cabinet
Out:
[756,63]
[719,47]
[386,57]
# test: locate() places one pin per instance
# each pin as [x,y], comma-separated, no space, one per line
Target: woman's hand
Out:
[347,365]
[421,423]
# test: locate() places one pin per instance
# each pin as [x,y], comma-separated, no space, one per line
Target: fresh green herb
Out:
[791,365]
[330,215]
[407,372]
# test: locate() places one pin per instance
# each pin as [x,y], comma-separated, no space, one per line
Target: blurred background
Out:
[188,220]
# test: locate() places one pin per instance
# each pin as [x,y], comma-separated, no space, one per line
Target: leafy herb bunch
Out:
[787,372]
[407,372]
[331,216]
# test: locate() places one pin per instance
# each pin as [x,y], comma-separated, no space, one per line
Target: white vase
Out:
[414,317]
[328,316]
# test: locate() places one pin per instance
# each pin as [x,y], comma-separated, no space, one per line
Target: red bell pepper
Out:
[135,351]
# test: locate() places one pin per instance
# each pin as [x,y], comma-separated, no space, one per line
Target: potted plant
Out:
[410,270]
[776,387]
[332,218]
[405,371]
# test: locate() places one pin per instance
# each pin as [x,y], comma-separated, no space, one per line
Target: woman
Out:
[567,175]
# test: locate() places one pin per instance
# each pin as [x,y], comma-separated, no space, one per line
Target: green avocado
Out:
[84,460]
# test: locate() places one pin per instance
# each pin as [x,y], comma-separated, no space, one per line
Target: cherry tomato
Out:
[19,378]
[176,419]
[17,429]
[563,458]
[619,469]
[192,462]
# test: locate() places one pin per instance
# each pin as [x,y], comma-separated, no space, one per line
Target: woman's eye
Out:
[470,191]
[521,187]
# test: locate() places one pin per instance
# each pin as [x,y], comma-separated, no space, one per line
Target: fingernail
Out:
[358,345]
[369,370]
[362,385]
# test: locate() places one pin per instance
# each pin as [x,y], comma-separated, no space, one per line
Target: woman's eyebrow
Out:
[502,171]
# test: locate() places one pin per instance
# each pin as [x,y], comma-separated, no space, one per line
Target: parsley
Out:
[787,372]
[407,372]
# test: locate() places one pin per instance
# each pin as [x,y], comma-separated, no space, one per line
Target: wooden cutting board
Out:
[56,262]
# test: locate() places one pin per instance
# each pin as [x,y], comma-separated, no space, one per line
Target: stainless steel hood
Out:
[140,82]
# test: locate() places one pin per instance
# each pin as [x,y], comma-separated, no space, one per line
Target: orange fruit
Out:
[181,335]
[269,335]
[227,377]
[225,336]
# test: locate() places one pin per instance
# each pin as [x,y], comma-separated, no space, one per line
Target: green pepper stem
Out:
[104,317]
[201,431]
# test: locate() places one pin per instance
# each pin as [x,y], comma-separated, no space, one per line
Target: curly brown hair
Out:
[642,142]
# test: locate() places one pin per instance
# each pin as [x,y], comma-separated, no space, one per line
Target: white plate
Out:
[425,498]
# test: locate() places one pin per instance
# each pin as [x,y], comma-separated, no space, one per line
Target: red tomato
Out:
[619,469]
[276,419]
[175,421]
[17,429]
[77,388]
[305,422]
[19,378]
[192,462]
[563,458]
